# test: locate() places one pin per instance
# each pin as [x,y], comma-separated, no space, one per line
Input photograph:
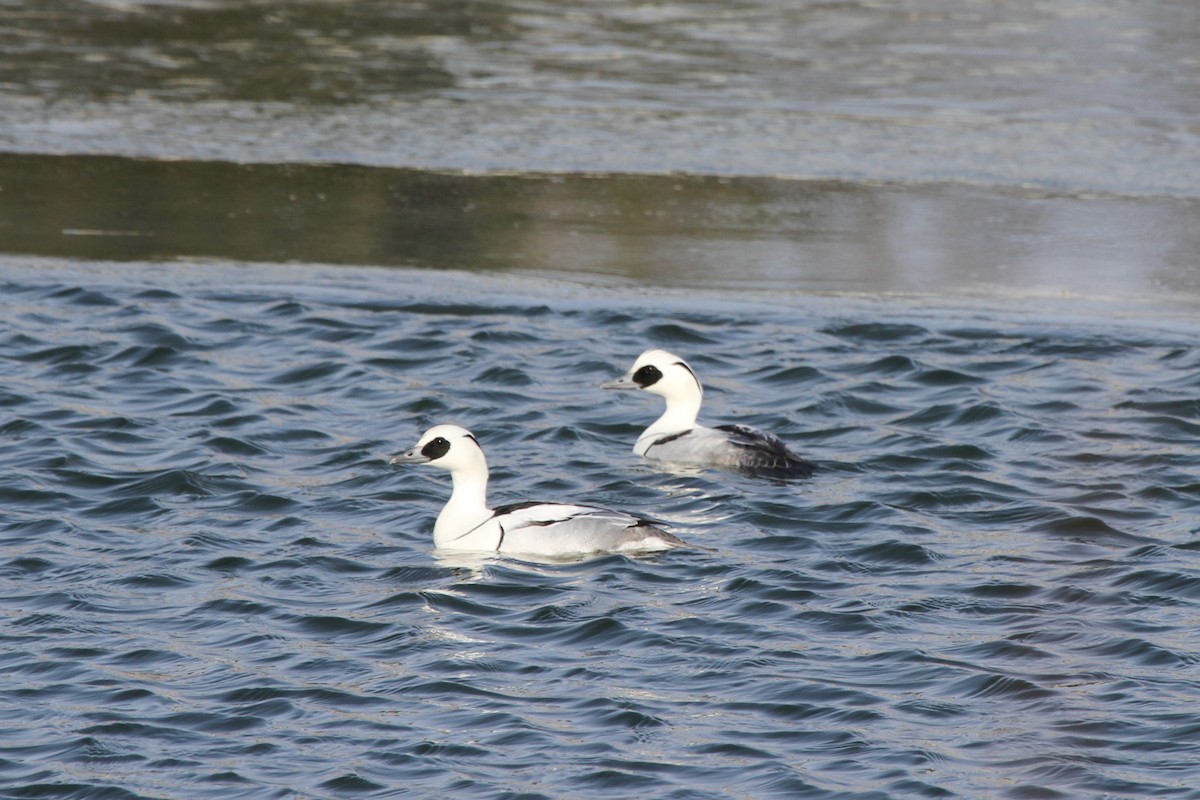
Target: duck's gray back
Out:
[737,446]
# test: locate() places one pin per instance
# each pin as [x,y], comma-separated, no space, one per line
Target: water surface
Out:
[216,587]
[945,249]
[1095,96]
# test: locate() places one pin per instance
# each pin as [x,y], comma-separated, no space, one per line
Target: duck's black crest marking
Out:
[689,369]
[647,376]
[435,448]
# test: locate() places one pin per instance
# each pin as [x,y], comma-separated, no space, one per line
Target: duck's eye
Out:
[435,448]
[647,376]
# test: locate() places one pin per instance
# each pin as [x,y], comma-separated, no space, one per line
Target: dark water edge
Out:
[662,230]
[215,587]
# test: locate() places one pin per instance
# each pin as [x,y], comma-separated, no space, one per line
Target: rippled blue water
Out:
[214,586]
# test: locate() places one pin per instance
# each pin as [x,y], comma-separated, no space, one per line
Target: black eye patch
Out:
[435,448]
[647,376]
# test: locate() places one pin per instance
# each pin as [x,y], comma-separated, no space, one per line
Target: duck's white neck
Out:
[680,416]
[459,523]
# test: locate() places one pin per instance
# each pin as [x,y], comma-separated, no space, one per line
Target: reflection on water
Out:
[684,231]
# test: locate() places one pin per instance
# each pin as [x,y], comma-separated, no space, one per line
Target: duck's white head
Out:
[454,449]
[447,446]
[669,376]
[661,373]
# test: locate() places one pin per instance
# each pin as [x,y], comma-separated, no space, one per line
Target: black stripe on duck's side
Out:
[541,523]
[536,523]
[669,438]
[508,508]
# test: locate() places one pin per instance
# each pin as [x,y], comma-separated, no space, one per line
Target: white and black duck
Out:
[533,528]
[676,436]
